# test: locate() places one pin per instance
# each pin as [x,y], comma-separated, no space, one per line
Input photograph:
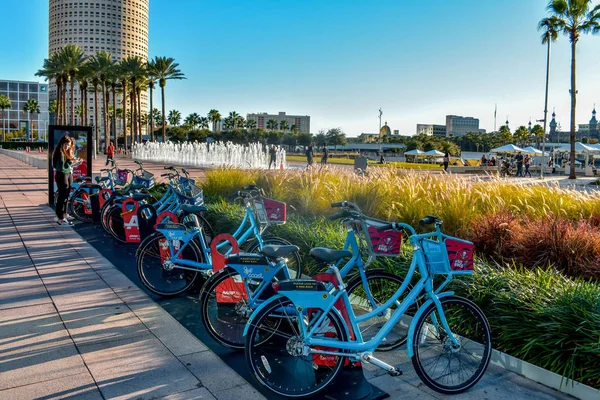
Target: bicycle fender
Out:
[257,310]
[413,323]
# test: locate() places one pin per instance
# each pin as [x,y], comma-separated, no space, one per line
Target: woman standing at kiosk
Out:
[63,159]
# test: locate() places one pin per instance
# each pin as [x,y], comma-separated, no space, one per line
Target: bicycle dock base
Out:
[351,384]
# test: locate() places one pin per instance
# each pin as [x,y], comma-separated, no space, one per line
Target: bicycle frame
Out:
[325,301]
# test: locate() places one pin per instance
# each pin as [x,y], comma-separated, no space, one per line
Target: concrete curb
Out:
[545,377]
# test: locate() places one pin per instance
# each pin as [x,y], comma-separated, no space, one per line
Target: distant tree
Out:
[203,123]
[177,133]
[284,126]
[321,138]
[305,139]
[538,133]
[30,107]
[272,124]
[521,135]
[5,105]
[214,117]
[251,124]
[335,137]
[174,118]
[192,120]
[505,134]
[295,129]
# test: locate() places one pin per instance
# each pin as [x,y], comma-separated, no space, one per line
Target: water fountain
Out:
[216,154]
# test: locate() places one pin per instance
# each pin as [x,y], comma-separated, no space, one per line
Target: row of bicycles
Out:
[298,332]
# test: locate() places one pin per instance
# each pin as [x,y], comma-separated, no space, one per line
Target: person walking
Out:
[110,153]
[519,161]
[63,159]
[273,157]
[446,161]
[309,155]
[527,163]
[325,155]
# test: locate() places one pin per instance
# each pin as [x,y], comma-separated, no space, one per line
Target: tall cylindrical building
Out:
[119,27]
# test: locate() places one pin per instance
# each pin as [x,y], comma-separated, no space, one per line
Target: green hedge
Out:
[23,145]
[537,315]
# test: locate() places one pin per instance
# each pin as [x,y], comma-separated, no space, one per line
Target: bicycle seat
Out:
[273,251]
[140,196]
[328,255]
[189,209]
[83,178]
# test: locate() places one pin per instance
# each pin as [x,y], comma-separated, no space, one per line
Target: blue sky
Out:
[339,61]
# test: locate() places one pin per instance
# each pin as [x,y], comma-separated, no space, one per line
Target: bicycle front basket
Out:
[194,196]
[453,255]
[121,177]
[146,178]
[276,211]
[186,183]
[384,243]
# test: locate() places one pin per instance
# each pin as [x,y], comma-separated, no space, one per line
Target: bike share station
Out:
[139,221]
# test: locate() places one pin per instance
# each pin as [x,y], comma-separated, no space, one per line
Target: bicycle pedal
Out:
[395,372]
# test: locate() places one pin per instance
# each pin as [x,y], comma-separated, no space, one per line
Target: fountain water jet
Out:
[216,154]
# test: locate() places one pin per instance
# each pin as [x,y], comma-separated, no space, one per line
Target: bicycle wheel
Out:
[446,368]
[381,286]
[116,225]
[224,307]
[293,261]
[77,205]
[164,278]
[275,356]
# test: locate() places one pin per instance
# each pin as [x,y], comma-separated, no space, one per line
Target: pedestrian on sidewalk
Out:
[309,155]
[63,159]
[527,163]
[110,153]
[325,155]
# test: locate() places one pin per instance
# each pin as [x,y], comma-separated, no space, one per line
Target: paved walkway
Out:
[72,326]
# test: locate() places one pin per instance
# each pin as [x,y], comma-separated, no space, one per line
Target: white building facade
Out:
[431,130]
[460,126]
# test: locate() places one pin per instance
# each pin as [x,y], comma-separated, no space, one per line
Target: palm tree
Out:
[574,18]
[203,123]
[174,118]
[165,69]
[94,65]
[157,116]
[123,74]
[233,116]
[284,125]
[30,107]
[192,120]
[521,134]
[214,117]
[294,128]
[52,70]
[113,82]
[104,65]
[140,86]
[272,124]
[4,105]
[151,76]
[74,59]
[83,79]
[251,124]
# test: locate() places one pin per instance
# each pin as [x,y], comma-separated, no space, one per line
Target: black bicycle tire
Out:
[338,324]
[80,217]
[147,285]
[209,286]
[485,359]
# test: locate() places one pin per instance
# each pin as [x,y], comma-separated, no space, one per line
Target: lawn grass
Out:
[347,161]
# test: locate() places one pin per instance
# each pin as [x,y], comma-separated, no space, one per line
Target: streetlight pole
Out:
[545,106]
[380,114]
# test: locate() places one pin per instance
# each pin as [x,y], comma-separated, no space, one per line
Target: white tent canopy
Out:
[434,153]
[579,148]
[533,151]
[509,149]
[415,152]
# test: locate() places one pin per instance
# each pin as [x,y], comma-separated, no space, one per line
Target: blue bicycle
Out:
[298,340]
[170,261]
[229,296]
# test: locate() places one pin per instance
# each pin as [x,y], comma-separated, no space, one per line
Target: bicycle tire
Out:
[174,281]
[76,204]
[472,328]
[293,260]
[224,313]
[116,225]
[283,379]
[382,285]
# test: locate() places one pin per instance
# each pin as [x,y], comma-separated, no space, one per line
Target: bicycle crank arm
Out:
[392,371]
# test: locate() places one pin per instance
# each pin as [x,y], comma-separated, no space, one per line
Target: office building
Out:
[15,119]
[301,122]
[431,130]
[119,27]
[460,126]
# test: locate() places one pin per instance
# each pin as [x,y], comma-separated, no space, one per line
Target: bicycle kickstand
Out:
[391,370]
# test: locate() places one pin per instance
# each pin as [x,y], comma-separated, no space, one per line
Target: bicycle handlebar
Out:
[345,214]
[428,220]
[346,204]
[137,162]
